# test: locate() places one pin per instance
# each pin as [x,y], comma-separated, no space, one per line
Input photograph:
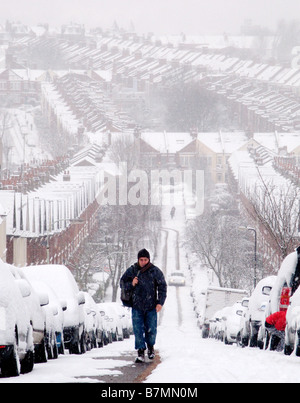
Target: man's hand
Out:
[158,308]
[135,281]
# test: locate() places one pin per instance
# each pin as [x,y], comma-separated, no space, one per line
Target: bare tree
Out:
[287,36]
[123,228]
[88,263]
[123,151]
[276,208]
[216,239]
[222,248]
[191,106]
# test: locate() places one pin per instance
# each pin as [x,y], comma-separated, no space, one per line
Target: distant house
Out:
[208,151]
[188,155]
[162,149]
[150,156]
[18,87]
[214,149]
[73,32]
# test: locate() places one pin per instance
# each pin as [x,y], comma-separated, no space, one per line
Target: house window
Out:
[15,86]
[153,161]
[184,161]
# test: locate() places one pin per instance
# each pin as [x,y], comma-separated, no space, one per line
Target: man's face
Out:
[143,261]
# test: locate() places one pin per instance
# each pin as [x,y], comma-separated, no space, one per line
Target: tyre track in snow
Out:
[164,264]
[171,262]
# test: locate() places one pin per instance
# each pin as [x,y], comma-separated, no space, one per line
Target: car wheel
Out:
[288,350]
[101,340]
[239,341]
[11,366]
[55,351]
[253,339]
[260,344]
[75,342]
[28,362]
[41,354]
[119,336]
[52,346]
[60,343]
[83,344]
[74,348]
[61,349]
[297,351]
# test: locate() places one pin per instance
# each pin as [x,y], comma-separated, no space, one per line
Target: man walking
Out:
[149,292]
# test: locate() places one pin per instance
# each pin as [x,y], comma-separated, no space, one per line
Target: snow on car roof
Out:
[58,277]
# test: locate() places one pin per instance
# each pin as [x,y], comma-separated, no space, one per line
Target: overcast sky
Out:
[158,16]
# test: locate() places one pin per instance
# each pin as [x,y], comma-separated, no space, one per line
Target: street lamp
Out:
[255,249]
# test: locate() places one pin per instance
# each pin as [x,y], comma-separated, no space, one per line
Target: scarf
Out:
[143,269]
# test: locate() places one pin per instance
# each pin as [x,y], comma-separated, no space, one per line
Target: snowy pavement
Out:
[78,368]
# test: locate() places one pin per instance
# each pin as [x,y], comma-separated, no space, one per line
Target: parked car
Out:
[106,323]
[284,287]
[54,317]
[232,319]
[245,305]
[60,279]
[255,314]
[214,325]
[287,277]
[93,323]
[114,321]
[125,317]
[176,278]
[221,324]
[16,333]
[35,301]
[292,330]
[128,321]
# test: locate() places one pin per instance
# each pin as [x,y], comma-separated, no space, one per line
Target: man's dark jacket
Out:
[150,290]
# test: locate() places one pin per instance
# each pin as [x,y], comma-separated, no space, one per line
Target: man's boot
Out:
[151,353]
[141,355]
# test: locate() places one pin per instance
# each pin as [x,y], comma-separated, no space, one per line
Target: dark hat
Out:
[144,253]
